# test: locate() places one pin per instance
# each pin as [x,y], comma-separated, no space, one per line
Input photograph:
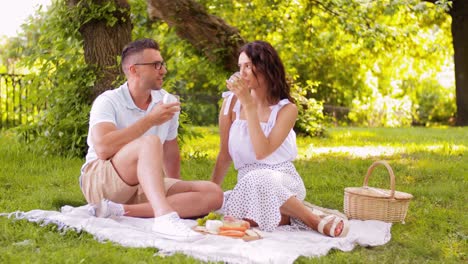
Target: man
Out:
[133,143]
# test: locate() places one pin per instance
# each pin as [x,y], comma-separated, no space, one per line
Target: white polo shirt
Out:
[117,106]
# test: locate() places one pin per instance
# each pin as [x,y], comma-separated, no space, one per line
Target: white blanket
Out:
[275,247]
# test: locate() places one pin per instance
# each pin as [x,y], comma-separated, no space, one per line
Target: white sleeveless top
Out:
[240,146]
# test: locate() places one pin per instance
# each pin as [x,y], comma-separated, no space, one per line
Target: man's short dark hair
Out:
[138,46]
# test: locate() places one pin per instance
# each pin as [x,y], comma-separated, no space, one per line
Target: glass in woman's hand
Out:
[234,77]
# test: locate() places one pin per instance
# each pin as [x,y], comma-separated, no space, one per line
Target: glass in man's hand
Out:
[170,98]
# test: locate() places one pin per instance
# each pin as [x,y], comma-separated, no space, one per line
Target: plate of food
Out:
[217,224]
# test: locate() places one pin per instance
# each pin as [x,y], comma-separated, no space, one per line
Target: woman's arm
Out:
[223,160]
[171,158]
[263,145]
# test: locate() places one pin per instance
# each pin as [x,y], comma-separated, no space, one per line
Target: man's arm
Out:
[107,139]
[172,158]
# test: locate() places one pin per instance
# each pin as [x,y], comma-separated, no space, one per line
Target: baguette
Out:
[232,233]
[235,228]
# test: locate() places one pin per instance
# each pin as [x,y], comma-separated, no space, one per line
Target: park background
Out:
[372,80]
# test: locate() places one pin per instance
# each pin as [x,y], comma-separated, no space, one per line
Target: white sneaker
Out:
[170,226]
[106,209]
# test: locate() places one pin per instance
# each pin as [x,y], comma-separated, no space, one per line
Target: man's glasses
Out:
[157,64]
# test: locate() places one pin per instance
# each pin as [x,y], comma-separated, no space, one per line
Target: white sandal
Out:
[336,220]
[327,216]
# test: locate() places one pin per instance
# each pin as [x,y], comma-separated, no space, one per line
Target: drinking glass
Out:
[170,98]
[234,77]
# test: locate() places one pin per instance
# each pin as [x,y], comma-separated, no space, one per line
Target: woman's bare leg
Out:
[195,198]
[295,208]
[187,198]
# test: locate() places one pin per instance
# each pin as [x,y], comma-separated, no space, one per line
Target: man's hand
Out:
[162,113]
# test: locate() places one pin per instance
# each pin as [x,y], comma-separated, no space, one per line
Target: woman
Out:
[256,131]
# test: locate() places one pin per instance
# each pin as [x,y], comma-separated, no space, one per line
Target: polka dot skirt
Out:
[261,190]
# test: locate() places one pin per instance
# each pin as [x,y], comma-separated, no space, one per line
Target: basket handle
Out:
[390,171]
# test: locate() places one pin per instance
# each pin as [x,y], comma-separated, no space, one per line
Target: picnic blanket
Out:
[279,246]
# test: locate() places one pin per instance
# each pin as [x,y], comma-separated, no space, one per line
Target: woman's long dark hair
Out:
[267,62]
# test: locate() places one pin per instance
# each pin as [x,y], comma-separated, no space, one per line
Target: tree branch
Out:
[207,33]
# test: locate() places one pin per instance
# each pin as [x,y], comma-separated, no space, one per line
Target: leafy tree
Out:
[62,79]
[341,47]
[336,52]
[209,34]
[458,10]
[105,28]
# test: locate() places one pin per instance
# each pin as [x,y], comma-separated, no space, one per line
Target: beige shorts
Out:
[101,181]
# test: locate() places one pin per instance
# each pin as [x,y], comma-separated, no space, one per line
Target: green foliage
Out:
[433,102]
[378,57]
[310,119]
[62,79]
[343,46]
[185,132]
[413,58]
[382,111]
[87,10]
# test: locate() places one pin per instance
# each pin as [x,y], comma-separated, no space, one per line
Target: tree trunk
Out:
[104,43]
[207,33]
[459,13]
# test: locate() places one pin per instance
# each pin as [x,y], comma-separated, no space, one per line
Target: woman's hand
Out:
[236,85]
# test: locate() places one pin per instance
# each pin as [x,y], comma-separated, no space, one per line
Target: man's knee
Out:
[150,141]
[215,187]
[207,187]
[216,192]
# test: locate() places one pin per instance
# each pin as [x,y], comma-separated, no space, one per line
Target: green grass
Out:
[430,163]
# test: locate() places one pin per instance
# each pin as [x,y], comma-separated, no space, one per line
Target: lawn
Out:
[430,163]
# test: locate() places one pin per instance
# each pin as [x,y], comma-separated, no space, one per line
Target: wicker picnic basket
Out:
[368,203]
